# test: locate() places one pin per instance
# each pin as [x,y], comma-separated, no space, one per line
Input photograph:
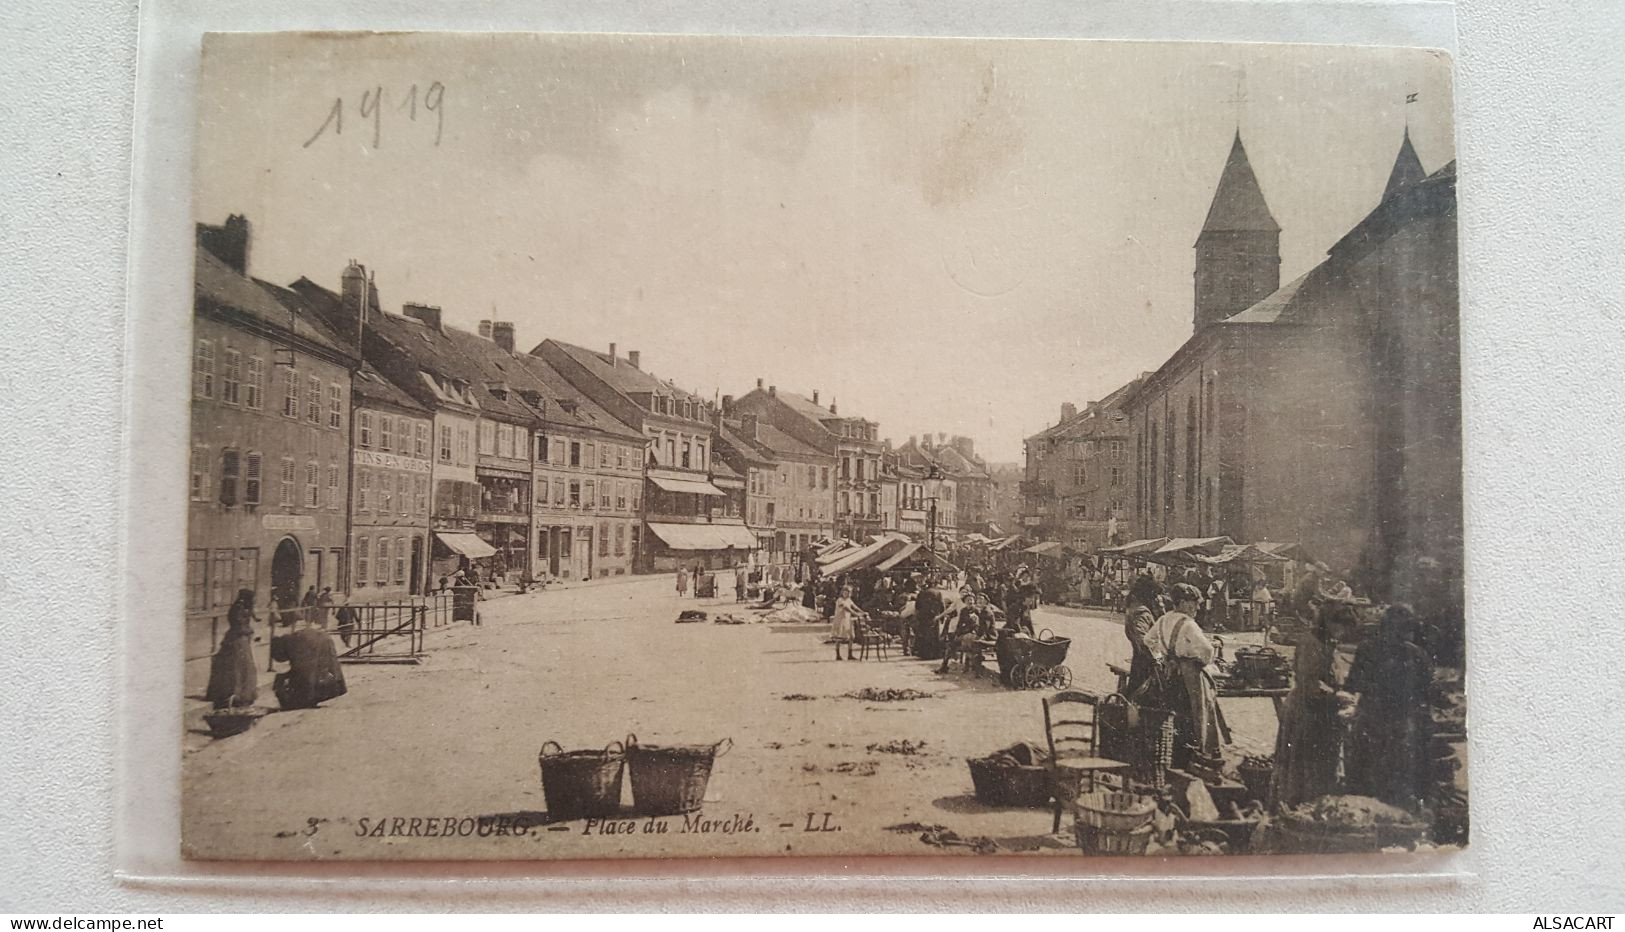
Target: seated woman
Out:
[313,675]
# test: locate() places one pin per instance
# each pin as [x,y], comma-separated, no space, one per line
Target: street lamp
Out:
[933,486]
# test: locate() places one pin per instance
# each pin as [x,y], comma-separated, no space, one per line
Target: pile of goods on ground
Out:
[871,694]
[793,615]
[691,616]
[1346,824]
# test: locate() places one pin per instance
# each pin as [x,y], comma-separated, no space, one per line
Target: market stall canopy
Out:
[1242,554]
[835,553]
[692,486]
[1135,548]
[704,536]
[1184,549]
[1286,551]
[1013,540]
[872,555]
[469,545]
[1048,548]
[975,539]
[909,549]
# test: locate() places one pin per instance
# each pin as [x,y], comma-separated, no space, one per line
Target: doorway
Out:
[287,571]
[417,566]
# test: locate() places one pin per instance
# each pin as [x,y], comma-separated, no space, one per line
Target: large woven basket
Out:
[1093,840]
[579,784]
[1026,787]
[670,780]
[1300,836]
[1115,812]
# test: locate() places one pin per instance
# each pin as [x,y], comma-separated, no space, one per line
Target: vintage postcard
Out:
[610,446]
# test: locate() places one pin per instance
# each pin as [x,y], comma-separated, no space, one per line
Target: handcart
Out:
[1036,663]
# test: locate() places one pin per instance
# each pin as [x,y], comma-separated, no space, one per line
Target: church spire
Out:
[1238,203]
[1238,252]
[1407,168]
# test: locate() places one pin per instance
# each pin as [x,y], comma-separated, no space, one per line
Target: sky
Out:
[949,236]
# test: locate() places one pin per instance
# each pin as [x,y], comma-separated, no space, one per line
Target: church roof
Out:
[1407,168]
[1238,202]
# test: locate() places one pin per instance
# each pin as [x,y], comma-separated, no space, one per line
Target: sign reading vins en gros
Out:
[390,461]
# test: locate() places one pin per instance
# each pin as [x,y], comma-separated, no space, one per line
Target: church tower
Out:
[1238,253]
[1407,168]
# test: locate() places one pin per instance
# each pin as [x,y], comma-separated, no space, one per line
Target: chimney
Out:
[832,407]
[773,390]
[966,448]
[942,438]
[1068,411]
[227,242]
[635,357]
[758,384]
[427,314]
[373,306]
[613,360]
[815,396]
[485,330]
[727,405]
[502,334]
[748,424]
[353,289]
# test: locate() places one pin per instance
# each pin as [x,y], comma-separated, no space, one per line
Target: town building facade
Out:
[852,445]
[1078,486]
[270,463]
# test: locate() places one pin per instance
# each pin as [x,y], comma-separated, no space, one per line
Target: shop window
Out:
[248,570]
[221,575]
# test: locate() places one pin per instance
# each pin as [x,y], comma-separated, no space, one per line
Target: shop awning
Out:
[1243,554]
[705,536]
[909,549]
[1135,547]
[469,545]
[837,552]
[691,486]
[1182,549]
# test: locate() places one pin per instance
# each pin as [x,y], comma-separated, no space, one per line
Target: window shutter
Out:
[251,479]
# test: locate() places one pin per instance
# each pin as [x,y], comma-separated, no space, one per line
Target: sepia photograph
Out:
[642,446]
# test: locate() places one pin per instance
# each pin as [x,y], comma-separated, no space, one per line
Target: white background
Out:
[1542,204]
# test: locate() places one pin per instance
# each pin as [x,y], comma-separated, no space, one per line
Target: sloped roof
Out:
[777,441]
[618,374]
[218,283]
[1100,417]
[1238,202]
[1286,303]
[558,390]
[750,450]
[805,407]
[371,385]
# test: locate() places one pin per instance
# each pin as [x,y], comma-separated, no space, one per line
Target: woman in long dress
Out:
[1308,747]
[844,628]
[682,581]
[1177,638]
[1137,622]
[314,675]
[232,672]
[1387,746]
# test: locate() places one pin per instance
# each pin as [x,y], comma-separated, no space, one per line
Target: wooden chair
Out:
[1071,727]
[869,638]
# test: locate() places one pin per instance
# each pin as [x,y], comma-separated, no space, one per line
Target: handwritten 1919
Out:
[372,108]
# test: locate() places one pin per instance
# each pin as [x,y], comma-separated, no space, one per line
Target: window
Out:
[588,456]
[400,561]
[386,499]
[335,406]
[403,492]
[1117,447]
[606,493]
[445,443]
[823,477]
[313,485]
[487,438]
[1080,474]
[230,473]
[687,453]
[589,492]
[386,433]
[1080,509]
[575,453]
[541,448]
[333,487]
[620,496]
[505,446]
[558,492]
[620,540]
[699,454]
[232,380]
[363,429]
[251,479]
[287,478]
[671,451]
[543,496]
[603,538]
[201,463]
[1117,475]
[254,383]
[420,440]
[313,400]
[420,487]
[605,455]
[197,580]
[575,495]
[462,446]
[290,392]
[637,497]
[620,457]
[874,503]
[203,370]
[363,488]
[382,563]
[222,573]
[363,554]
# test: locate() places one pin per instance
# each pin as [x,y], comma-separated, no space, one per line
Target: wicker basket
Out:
[1114,811]
[1026,787]
[1257,779]
[1099,841]
[578,784]
[223,723]
[670,780]
[1297,836]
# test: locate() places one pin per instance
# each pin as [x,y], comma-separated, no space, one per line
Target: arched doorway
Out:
[287,572]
